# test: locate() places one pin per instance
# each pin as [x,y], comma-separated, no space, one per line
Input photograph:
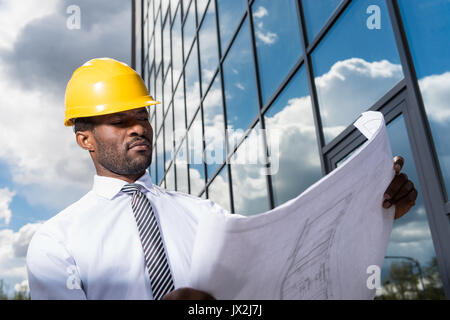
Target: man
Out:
[127,238]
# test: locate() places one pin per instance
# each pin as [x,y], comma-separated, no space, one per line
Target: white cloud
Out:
[267,38]
[260,12]
[14,15]
[41,153]
[414,231]
[13,248]
[436,96]
[240,86]
[5,199]
[350,87]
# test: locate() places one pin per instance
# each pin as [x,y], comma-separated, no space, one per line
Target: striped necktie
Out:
[152,244]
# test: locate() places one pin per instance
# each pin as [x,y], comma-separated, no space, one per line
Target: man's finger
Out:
[405,204]
[394,187]
[398,164]
[407,187]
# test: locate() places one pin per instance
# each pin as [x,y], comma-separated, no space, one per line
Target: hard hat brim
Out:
[85,112]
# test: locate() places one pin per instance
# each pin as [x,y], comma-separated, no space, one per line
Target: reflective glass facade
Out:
[243,80]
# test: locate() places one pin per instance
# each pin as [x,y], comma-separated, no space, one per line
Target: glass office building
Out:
[250,79]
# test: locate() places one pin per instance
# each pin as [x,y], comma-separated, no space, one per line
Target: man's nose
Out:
[138,128]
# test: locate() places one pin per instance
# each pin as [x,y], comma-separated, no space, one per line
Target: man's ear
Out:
[85,140]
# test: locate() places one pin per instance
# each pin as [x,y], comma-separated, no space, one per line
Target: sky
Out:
[42,170]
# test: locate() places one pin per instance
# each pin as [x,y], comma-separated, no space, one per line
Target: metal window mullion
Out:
[413,83]
[199,70]
[260,105]
[330,148]
[313,91]
[172,94]
[184,138]
[133,34]
[391,105]
[233,38]
[142,37]
[227,147]
[425,157]
[328,25]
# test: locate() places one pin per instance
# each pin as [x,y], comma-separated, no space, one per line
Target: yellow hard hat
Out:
[103,86]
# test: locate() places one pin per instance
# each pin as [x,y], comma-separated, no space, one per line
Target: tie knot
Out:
[131,188]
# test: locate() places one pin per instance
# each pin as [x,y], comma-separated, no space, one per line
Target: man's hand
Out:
[401,191]
[187,294]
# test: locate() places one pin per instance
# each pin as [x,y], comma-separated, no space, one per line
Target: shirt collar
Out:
[108,187]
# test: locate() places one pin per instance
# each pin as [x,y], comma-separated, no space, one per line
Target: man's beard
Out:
[121,163]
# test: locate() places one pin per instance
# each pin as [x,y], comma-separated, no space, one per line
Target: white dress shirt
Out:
[92,249]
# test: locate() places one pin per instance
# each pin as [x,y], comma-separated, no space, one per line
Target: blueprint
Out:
[318,245]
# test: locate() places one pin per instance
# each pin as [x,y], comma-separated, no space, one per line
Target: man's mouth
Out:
[139,145]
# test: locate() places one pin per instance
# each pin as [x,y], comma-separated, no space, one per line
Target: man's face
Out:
[124,141]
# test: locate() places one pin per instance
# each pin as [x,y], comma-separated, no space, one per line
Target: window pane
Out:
[173,6]
[145,9]
[317,13]
[248,176]
[291,136]
[189,30]
[177,43]
[185,6]
[411,237]
[159,97]
[164,6]
[157,5]
[166,44]
[145,71]
[196,172]
[192,85]
[170,179]
[230,14]
[168,139]
[278,43]
[179,113]
[151,19]
[138,37]
[209,54]
[214,128]
[182,169]
[153,166]
[354,66]
[239,81]
[146,43]
[151,54]
[218,190]
[167,90]
[427,27]
[201,6]
[160,157]
[158,43]
[151,86]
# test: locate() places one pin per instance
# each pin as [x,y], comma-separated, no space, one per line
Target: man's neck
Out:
[128,178]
